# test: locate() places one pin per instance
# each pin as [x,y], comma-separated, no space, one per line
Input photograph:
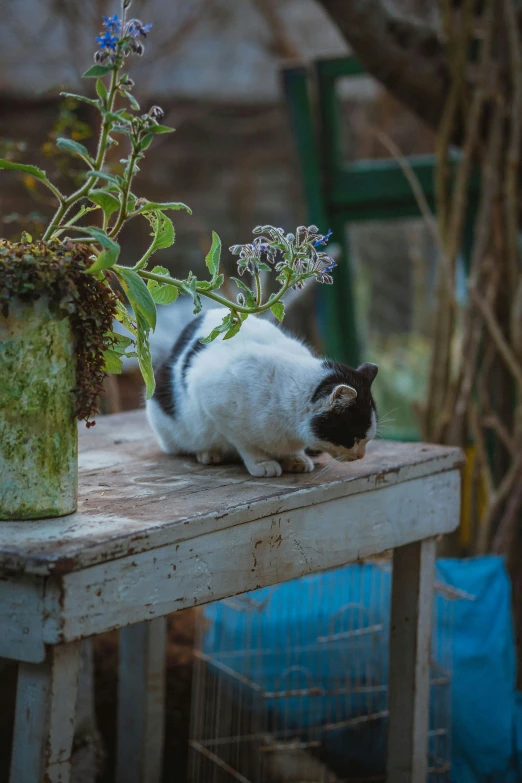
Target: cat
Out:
[261,395]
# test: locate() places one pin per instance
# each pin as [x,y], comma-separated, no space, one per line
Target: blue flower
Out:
[112,23]
[325,275]
[324,240]
[107,41]
[135,28]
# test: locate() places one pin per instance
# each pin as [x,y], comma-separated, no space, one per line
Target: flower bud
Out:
[127,82]
[156,113]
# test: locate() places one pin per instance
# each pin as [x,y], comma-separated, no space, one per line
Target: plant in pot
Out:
[60,294]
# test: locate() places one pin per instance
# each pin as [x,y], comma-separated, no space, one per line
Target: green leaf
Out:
[155,206]
[249,294]
[160,129]
[144,357]
[101,237]
[105,260]
[132,100]
[146,141]
[126,129]
[241,284]
[105,200]
[101,90]
[106,176]
[162,293]
[112,362]
[164,234]
[189,287]
[278,310]
[264,267]
[159,270]
[125,318]
[120,342]
[226,325]
[109,255]
[34,171]
[217,282]
[138,295]
[213,255]
[112,116]
[75,148]
[231,332]
[92,101]
[97,70]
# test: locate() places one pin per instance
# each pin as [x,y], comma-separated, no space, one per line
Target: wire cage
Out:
[290,682]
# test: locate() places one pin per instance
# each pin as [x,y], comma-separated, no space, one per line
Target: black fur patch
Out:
[194,349]
[343,426]
[165,393]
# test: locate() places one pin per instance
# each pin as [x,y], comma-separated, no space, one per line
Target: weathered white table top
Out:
[134,499]
[155,534]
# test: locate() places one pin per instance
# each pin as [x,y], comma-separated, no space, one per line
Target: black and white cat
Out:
[262,395]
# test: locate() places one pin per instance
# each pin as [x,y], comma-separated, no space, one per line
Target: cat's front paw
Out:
[297,463]
[265,469]
[211,457]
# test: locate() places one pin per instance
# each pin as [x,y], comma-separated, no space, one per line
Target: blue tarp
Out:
[486,710]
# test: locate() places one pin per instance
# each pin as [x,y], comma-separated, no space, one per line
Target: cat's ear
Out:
[369,371]
[342,396]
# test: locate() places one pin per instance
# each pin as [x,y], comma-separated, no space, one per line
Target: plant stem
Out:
[122,215]
[215,297]
[143,260]
[259,289]
[81,212]
[98,163]
[53,189]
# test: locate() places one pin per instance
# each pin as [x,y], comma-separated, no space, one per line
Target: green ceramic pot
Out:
[38,431]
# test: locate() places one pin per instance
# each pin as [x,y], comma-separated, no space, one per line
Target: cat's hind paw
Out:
[297,463]
[266,469]
[209,457]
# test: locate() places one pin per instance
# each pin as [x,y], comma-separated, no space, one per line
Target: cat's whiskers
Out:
[384,422]
[380,431]
[386,417]
[324,470]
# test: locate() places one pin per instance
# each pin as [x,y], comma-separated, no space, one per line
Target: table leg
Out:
[44,717]
[141,702]
[409,676]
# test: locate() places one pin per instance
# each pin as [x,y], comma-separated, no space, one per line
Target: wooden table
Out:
[154,534]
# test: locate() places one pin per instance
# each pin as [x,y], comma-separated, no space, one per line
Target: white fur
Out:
[250,395]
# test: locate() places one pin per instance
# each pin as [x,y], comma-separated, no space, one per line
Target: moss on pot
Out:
[55,324]
[29,271]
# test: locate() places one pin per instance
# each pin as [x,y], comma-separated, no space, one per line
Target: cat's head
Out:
[345,416]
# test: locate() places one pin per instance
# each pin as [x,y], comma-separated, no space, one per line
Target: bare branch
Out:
[498,337]
[513,154]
